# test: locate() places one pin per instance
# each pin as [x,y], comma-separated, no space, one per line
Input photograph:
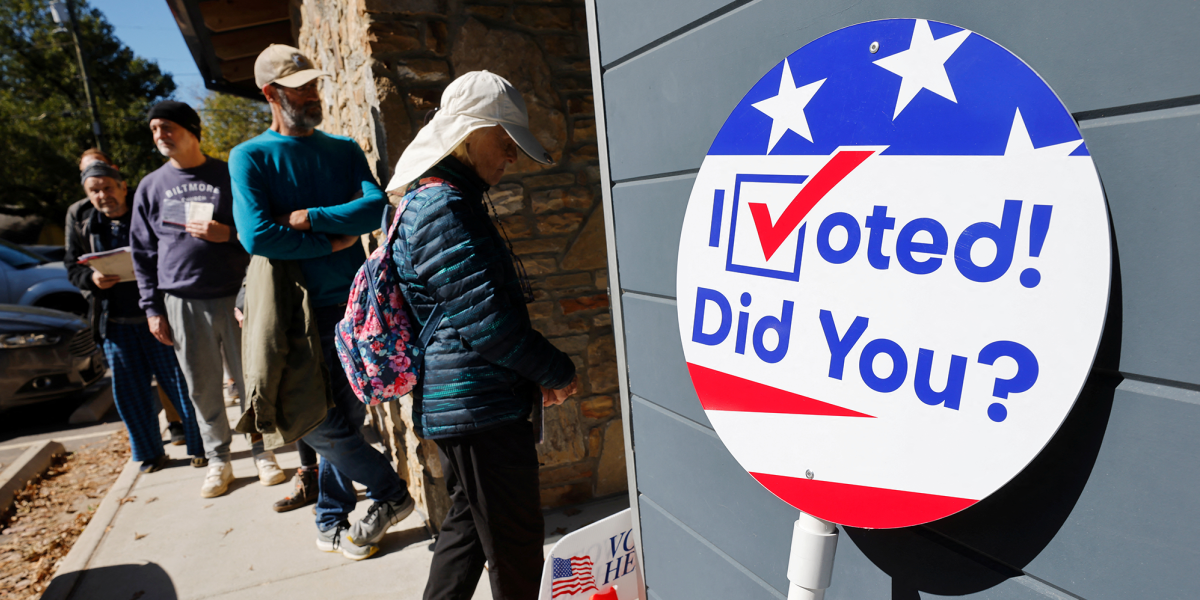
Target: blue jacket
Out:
[485,361]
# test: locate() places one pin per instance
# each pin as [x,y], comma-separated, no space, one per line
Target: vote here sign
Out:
[893,273]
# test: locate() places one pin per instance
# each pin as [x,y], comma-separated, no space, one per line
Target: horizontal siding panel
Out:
[1150,166]
[689,473]
[664,107]
[1133,531]
[654,356]
[681,567]
[627,25]
[649,217]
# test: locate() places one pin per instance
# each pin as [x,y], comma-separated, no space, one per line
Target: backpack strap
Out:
[439,310]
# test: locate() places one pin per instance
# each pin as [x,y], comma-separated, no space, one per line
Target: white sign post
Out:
[893,273]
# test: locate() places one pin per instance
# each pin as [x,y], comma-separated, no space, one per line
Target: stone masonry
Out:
[391,59]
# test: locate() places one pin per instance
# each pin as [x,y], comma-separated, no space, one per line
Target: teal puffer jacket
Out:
[485,361]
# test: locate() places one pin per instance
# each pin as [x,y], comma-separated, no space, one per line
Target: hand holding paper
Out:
[209,231]
[118,263]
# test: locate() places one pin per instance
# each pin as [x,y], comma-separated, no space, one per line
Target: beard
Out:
[303,116]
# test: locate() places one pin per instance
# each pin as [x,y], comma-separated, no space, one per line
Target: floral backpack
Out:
[375,339]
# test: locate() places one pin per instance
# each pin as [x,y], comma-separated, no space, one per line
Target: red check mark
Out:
[771,236]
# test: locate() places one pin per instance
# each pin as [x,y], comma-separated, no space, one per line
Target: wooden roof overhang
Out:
[225,36]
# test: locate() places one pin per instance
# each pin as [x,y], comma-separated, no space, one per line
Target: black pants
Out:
[495,516]
[308,456]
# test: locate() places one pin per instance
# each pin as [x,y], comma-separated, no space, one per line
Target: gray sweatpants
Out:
[203,331]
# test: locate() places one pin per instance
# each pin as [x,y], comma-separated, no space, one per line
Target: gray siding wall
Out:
[1109,510]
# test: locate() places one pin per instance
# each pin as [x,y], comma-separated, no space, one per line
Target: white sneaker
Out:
[219,476]
[269,472]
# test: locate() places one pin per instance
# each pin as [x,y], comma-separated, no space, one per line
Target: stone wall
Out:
[392,59]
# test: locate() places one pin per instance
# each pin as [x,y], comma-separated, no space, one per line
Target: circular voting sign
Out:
[893,273]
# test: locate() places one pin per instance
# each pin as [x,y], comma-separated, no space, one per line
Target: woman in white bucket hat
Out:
[485,365]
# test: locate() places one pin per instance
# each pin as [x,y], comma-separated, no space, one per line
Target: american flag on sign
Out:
[571,576]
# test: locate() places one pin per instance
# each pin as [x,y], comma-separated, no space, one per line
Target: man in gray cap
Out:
[302,195]
[189,268]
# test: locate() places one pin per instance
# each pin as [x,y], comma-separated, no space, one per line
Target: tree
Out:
[230,120]
[44,118]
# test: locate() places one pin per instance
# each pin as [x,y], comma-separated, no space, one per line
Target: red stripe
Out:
[575,589]
[771,236]
[860,505]
[722,391]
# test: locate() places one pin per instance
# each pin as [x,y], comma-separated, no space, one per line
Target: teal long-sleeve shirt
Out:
[275,174]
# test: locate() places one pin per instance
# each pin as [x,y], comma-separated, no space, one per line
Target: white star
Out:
[1019,142]
[922,66]
[787,108]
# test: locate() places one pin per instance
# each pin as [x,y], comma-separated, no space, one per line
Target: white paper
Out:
[201,212]
[113,262]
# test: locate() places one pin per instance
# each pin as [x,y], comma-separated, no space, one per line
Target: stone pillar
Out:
[391,60]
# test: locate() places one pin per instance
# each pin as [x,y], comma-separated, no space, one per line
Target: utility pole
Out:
[97,129]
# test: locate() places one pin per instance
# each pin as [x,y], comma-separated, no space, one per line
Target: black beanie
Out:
[100,169]
[179,113]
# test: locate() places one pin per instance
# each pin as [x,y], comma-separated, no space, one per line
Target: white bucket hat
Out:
[476,100]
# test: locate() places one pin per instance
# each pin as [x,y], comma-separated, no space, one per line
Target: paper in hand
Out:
[111,262]
[199,212]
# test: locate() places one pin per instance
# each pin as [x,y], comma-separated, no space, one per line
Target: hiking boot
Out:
[176,431]
[199,462]
[154,464]
[380,517]
[217,480]
[269,472]
[304,490]
[335,540]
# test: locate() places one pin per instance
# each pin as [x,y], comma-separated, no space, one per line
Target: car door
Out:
[6,293]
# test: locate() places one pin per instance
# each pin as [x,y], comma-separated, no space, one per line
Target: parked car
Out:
[30,279]
[44,355]
[52,253]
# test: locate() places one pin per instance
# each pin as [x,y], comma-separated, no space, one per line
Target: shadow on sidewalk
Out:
[120,582]
[394,541]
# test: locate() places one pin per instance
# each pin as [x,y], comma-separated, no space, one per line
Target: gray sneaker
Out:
[380,517]
[332,541]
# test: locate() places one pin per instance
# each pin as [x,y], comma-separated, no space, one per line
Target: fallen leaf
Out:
[128,499]
[207,505]
[47,516]
[138,536]
[152,500]
[227,531]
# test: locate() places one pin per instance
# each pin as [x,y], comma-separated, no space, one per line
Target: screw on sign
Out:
[893,273]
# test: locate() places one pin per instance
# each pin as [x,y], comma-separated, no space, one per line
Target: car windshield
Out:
[18,257]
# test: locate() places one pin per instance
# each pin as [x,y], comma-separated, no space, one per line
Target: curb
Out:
[94,409]
[33,462]
[67,573]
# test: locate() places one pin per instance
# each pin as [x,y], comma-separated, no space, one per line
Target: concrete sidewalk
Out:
[166,542]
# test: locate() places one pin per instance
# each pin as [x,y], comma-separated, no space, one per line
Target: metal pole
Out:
[97,130]
[810,566]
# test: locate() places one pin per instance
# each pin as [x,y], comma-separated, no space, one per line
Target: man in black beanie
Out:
[178,113]
[189,265]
